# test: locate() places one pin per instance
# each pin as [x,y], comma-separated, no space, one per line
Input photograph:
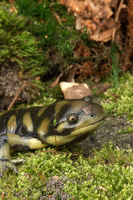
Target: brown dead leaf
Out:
[78,24]
[107,1]
[76,6]
[75,90]
[108,12]
[95,15]
[93,8]
[104,36]
[89,24]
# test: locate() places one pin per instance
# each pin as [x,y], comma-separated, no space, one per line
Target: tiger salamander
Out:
[57,124]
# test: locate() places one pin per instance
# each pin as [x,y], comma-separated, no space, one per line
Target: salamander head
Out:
[74,120]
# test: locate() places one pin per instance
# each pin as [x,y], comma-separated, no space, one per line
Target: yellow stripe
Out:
[61,127]
[28,121]
[14,139]
[60,140]
[11,125]
[5,151]
[41,111]
[34,143]
[59,106]
[43,128]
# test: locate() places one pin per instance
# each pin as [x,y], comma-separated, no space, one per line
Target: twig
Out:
[116,18]
[15,98]
[57,17]
[103,89]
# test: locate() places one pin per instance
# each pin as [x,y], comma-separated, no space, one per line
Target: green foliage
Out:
[26,7]
[66,50]
[128,130]
[43,24]
[108,175]
[85,37]
[17,45]
[114,51]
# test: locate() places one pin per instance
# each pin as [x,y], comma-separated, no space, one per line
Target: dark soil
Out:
[109,132]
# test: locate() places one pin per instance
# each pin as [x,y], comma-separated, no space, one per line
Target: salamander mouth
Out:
[101,120]
[87,129]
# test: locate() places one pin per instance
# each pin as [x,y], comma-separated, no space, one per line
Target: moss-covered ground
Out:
[119,101]
[60,173]
[47,174]
[91,178]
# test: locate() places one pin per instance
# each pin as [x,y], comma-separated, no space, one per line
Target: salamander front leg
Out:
[10,141]
[5,159]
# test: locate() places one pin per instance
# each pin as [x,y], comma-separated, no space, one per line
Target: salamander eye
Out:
[72,118]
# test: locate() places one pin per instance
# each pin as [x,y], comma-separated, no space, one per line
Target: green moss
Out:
[109,175]
[128,130]
[119,102]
